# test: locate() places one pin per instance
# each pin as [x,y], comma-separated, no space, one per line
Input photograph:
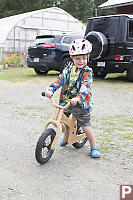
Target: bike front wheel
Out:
[43,151]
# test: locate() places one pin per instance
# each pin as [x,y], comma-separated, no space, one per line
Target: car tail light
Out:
[119,57]
[48,45]
[124,58]
[48,59]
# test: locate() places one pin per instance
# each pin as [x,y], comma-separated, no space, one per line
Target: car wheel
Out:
[130,74]
[66,63]
[40,72]
[102,74]
[99,44]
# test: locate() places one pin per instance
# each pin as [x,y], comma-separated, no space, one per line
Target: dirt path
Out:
[70,174]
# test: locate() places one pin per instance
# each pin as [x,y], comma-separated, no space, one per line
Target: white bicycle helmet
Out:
[80,47]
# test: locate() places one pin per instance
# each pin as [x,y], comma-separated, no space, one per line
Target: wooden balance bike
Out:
[52,132]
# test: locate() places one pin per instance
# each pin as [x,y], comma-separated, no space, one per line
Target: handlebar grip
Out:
[43,94]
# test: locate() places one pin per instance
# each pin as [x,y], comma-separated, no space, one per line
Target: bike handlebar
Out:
[56,105]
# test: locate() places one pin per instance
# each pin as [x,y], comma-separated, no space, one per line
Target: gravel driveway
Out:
[71,173]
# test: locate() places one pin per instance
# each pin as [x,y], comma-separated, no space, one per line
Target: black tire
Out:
[40,72]
[130,74]
[99,44]
[44,146]
[102,73]
[95,74]
[66,63]
[81,143]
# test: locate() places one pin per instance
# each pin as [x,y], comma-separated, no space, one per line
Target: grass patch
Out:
[39,108]
[108,129]
[24,74]
[124,136]
[118,123]
[16,74]
[109,123]
[105,149]
[118,76]
[129,120]
[117,120]
[114,77]
[113,117]
[115,136]
[7,103]
[106,137]
[22,114]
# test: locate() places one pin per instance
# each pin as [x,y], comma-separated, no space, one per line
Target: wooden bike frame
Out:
[59,117]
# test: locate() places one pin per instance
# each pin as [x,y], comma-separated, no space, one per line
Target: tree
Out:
[12,7]
[100,12]
[80,9]
[84,9]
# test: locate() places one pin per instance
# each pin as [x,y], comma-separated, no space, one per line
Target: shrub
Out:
[12,61]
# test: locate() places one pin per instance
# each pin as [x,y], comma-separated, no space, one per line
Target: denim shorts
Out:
[83,119]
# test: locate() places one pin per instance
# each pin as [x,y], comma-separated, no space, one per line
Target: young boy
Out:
[76,84]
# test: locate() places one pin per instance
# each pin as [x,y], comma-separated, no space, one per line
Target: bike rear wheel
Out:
[43,151]
[80,143]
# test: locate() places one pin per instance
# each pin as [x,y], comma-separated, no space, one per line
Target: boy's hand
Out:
[74,101]
[49,94]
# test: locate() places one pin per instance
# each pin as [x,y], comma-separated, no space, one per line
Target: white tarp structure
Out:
[18,31]
[115,3]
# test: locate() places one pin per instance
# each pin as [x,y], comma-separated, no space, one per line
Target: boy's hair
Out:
[80,47]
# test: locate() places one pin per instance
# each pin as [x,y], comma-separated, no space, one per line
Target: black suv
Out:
[112,39]
[50,52]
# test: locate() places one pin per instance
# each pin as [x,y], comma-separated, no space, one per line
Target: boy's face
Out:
[80,60]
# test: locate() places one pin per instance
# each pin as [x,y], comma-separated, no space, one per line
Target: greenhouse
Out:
[18,31]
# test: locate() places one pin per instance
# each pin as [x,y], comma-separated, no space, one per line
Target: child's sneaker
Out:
[63,144]
[95,153]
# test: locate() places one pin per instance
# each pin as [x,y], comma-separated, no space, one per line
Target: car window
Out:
[74,37]
[66,40]
[69,39]
[131,29]
[43,41]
